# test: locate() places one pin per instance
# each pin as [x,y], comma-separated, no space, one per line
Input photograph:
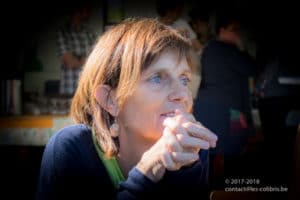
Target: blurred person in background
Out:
[223,103]
[74,42]
[199,22]
[170,13]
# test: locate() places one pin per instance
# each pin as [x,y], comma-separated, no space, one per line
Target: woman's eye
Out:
[155,79]
[185,80]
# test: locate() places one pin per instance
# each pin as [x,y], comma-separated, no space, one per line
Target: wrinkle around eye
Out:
[185,80]
[155,79]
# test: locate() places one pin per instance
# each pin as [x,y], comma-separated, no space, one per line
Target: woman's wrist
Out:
[154,171]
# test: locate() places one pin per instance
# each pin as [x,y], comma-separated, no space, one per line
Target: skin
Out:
[157,130]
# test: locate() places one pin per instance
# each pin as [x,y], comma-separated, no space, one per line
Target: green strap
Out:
[111,165]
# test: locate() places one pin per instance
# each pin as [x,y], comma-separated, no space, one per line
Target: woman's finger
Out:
[171,141]
[199,131]
[191,149]
[184,158]
[186,141]
[187,116]
[168,162]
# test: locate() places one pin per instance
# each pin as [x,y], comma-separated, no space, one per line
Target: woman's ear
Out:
[106,97]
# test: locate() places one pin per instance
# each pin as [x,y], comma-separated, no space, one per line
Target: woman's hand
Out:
[182,139]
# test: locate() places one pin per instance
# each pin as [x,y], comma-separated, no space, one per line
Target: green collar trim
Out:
[111,165]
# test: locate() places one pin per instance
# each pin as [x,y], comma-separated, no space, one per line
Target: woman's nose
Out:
[179,92]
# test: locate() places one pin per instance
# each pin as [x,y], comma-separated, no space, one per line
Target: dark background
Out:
[274,25]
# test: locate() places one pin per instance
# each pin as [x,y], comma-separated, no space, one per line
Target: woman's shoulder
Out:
[70,137]
[72,145]
[70,160]
[72,132]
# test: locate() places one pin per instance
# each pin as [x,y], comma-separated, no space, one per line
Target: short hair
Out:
[226,17]
[164,6]
[118,58]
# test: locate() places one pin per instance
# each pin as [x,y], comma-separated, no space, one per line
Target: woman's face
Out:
[161,89]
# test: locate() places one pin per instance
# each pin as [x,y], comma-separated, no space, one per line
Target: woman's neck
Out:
[130,152]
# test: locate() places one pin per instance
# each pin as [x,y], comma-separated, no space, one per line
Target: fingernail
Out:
[214,137]
[206,145]
[213,144]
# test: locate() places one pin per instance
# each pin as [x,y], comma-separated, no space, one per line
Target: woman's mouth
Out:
[165,115]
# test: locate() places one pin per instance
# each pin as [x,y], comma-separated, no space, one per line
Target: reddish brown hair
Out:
[118,59]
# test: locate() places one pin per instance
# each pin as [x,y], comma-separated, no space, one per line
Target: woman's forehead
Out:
[176,54]
[170,60]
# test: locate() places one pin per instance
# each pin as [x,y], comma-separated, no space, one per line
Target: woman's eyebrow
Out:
[187,71]
[157,69]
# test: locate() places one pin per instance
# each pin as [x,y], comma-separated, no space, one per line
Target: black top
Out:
[225,74]
[225,87]
[71,168]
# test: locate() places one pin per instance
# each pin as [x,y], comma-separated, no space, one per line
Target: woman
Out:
[134,135]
